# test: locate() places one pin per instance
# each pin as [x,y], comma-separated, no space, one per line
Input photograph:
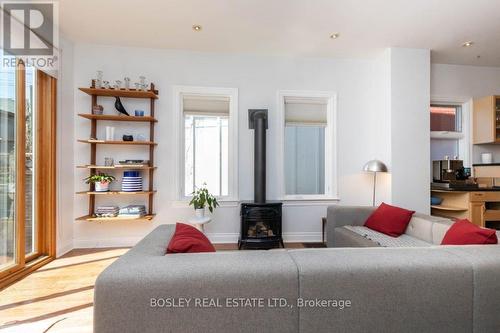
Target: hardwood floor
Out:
[59,296]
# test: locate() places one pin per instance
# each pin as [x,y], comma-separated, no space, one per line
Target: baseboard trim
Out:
[216,238]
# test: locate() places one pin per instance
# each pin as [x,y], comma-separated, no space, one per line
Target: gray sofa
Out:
[344,228]
[434,289]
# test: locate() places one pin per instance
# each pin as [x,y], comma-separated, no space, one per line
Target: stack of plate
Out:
[132,181]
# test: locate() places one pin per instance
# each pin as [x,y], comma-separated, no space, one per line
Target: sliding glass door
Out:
[27,170]
[8,108]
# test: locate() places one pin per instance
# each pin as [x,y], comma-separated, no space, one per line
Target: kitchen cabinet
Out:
[486,120]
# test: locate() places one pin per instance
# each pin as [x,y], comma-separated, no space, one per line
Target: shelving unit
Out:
[93,92]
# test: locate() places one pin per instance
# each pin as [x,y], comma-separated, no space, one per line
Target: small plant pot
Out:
[101,186]
[199,213]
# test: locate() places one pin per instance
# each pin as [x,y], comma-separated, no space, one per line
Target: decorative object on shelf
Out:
[127,137]
[134,162]
[486,158]
[201,199]
[97,109]
[436,201]
[142,81]
[110,133]
[119,106]
[98,80]
[132,181]
[141,137]
[118,84]
[107,211]
[132,212]
[109,161]
[126,80]
[375,166]
[137,86]
[105,84]
[139,113]
[101,181]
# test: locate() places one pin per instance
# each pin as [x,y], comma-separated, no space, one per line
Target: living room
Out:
[158,127]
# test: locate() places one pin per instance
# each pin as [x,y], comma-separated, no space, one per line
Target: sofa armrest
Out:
[339,216]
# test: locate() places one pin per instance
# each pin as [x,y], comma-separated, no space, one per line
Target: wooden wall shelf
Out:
[133,143]
[131,93]
[115,192]
[92,167]
[449,208]
[117,117]
[103,167]
[89,218]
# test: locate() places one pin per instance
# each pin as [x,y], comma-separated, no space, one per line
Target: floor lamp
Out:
[375,166]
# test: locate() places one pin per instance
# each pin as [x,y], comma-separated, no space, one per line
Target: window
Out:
[206,153]
[308,132]
[446,131]
[208,140]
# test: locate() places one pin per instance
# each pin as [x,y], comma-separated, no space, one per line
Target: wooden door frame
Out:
[45,214]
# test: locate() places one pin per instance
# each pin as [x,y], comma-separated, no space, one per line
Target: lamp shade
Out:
[375,166]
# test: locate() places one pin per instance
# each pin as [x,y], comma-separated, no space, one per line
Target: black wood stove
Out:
[260,220]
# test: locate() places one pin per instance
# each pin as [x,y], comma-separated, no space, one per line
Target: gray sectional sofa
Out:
[428,289]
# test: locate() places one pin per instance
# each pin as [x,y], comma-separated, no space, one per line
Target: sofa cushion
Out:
[390,290]
[420,228]
[389,220]
[347,238]
[387,241]
[439,229]
[188,239]
[463,232]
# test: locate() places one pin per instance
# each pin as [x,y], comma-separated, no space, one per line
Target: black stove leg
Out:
[282,244]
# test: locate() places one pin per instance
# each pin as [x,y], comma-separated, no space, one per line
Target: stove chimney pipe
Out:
[257,120]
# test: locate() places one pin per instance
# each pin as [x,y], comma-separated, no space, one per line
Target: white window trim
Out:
[331,179]
[232,93]
[465,137]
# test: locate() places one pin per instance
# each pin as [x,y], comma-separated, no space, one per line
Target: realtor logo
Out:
[30,32]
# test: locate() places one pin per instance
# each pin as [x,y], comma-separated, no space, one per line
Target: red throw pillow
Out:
[389,220]
[463,232]
[188,239]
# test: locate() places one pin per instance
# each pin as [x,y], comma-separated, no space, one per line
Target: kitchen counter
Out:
[486,164]
[462,189]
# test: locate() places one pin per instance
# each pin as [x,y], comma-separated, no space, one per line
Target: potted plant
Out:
[101,181]
[201,199]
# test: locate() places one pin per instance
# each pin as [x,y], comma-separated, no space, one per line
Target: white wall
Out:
[410,134]
[361,101]
[464,83]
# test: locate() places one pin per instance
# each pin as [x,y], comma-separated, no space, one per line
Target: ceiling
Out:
[293,27]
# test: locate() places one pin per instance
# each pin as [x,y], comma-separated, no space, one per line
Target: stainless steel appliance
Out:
[447,170]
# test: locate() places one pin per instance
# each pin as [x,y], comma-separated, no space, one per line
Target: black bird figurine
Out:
[119,106]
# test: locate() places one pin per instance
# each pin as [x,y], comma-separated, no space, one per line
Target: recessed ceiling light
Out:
[197,27]
[467,44]
[335,35]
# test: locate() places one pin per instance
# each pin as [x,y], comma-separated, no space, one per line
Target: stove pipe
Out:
[257,119]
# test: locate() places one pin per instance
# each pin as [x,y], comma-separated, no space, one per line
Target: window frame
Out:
[331,144]
[178,94]
[463,137]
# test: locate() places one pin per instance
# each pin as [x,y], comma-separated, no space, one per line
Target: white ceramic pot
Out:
[101,186]
[199,213]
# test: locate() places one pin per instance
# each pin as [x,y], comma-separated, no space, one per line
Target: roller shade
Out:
[206,105]
[305,111]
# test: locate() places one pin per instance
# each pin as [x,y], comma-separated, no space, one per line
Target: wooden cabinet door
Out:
[484,120]
[477,213]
